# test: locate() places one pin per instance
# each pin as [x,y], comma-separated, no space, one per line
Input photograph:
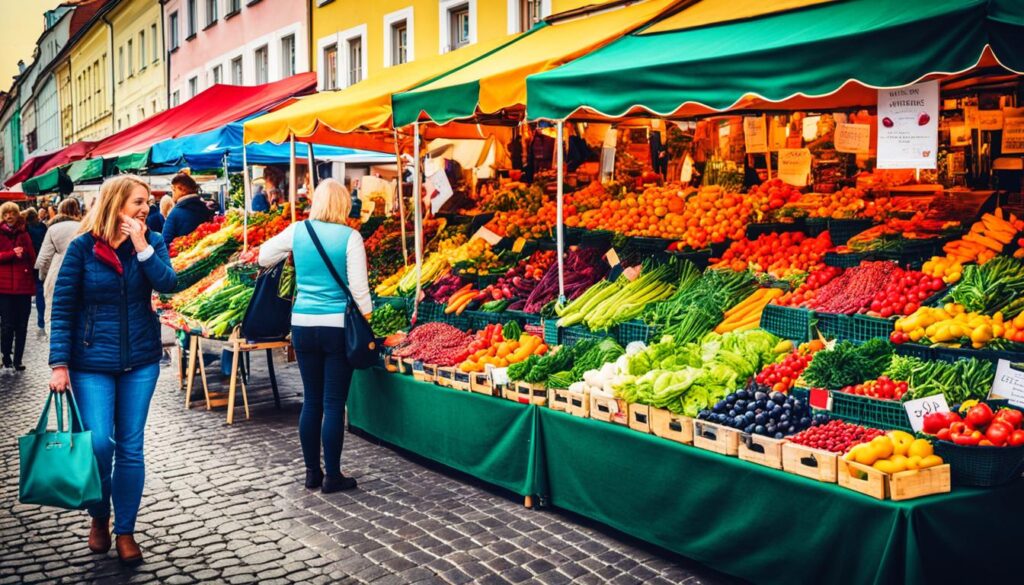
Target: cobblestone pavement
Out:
[226,505]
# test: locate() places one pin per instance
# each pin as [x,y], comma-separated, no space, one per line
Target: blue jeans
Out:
[326,376]
[114,407]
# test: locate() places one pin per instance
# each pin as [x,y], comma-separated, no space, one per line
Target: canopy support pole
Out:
[559,222]
[245,199]
[225,198]
[311,163]
[417,211]
[401,198]
[292,183]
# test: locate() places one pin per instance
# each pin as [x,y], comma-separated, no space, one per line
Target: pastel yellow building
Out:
[91,84]
[139,78]
[353,39]
[66,99]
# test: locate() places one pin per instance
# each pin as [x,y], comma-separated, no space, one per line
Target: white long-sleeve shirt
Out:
[280,246]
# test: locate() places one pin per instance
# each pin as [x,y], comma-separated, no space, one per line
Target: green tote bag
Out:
[58,467]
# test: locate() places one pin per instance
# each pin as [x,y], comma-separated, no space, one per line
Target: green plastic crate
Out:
[841,230]
[700,258]
[814,226]
[863,328]
[574,333]
[845,260]
[915,350]
[870,412]
[524,318]
[550,331]
[636,330]
[832,325]
[757,229]
[427,312]
[788,322]
[477,320]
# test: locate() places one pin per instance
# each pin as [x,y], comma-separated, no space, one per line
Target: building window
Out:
[131,59]
[236,71]
[98,91]
[120,65]
[218,74]
[234,6]
[458,26]
[262,65]
[288,56]
[193,87]
[529,14]
[331,67]
[211,12]
[156,46]
[175,98]
[193,19]
[399,43]
[173,26]
[142,50]
[355,60]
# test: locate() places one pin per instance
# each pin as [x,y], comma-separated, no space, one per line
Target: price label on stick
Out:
[499,376]
[1008,383]
[487,235]
[922,407]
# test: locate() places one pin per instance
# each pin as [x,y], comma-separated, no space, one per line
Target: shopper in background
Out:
[44,215]
[17,257]
[63,229]
[259,202]
[105,345]
[166,205]
[155,219]
[37,231]
[318,318]
[189,209]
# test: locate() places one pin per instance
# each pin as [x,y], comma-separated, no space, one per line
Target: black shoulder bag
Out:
[269,314]
[360,343]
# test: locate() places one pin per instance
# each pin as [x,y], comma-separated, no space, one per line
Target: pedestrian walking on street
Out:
[155,219]
[318,319]
[63,228]
[189,209]
[17,284]
[105,345]
[36,227]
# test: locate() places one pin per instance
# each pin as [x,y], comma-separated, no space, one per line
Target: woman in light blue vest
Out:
[318,316]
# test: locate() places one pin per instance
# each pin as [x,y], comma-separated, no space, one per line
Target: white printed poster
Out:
[908,126]
[755,134]
[794,166]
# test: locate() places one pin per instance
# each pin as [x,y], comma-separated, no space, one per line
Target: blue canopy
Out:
[207,150]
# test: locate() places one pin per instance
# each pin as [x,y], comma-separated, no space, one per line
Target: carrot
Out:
[752,299]
[984,241]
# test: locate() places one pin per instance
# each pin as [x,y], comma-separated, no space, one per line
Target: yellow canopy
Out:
[365,106]
[498,80]
[706,12]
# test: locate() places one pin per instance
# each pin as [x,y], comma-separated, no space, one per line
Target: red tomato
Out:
[979,415]
[1010,416]
[999,433]
[1017,438]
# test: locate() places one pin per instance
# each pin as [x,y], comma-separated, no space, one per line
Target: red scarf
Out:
[106,254]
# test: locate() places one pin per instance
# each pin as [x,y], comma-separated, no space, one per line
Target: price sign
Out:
[794,166]
[854,138]
[922,407]
[499,376]
[613,257]
[1008,383]
[487,235]
[755,134]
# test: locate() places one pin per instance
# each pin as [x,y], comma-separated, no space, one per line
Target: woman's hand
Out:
[136,232]
[18,251]
[59,379]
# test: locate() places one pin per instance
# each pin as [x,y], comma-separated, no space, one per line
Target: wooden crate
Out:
[480,382]
[392,364]
[527,393]
[904,485]
[579,404]
[761,450]
[424,372]
[809,462]
[445,376]
[669,425]
[640,417]
[558,399]
[717,438]
[461,381]
[613,410]
[405,366]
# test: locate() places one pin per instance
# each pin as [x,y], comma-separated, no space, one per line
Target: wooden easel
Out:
[238,348]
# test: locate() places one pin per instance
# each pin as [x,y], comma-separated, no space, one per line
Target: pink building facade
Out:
[238,42]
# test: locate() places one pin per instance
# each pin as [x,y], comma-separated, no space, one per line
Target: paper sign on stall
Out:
[922,407]
[908,126]
[959,134]
[794,166]
[755,134]
[990,119]
[1008,383]
[1013,131]
[487,236]
[777,134]
[855,138]
[442,190]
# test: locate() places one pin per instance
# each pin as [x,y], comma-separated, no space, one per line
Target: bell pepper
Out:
[971,438]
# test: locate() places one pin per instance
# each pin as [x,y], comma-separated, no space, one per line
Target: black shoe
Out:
[7,362]
[314,478]
[19,367]
[337,484]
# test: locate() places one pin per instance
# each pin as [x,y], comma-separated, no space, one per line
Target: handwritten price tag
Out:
[499,376]
[922,407]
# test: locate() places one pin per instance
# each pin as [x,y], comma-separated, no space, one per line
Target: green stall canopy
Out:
[84,170]
[48,182]
[136,161]
[819,51]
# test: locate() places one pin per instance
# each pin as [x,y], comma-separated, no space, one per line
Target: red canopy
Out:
[217,106]
[38,165]
[12,196]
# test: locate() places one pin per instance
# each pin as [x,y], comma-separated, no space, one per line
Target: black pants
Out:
[326,376]
[14,313]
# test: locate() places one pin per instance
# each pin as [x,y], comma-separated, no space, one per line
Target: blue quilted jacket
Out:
[102,321]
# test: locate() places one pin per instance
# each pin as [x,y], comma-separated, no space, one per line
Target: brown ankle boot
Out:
[99,535]
[128,550]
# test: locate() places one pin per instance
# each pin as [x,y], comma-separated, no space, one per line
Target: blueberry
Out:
[730,399]
[778,397]
[760,396]
[739,422]
[720,406]
[779,435]
[760,429]
[770,428]
[787,407]
[704,414]
[790,429]
[749,429]
[798,404]
[743,395]
[732,412]
[762,403]
[761,419]
[805,422]
[751,407]
[740,404]
[776,411]
[784,418]
[749,417]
